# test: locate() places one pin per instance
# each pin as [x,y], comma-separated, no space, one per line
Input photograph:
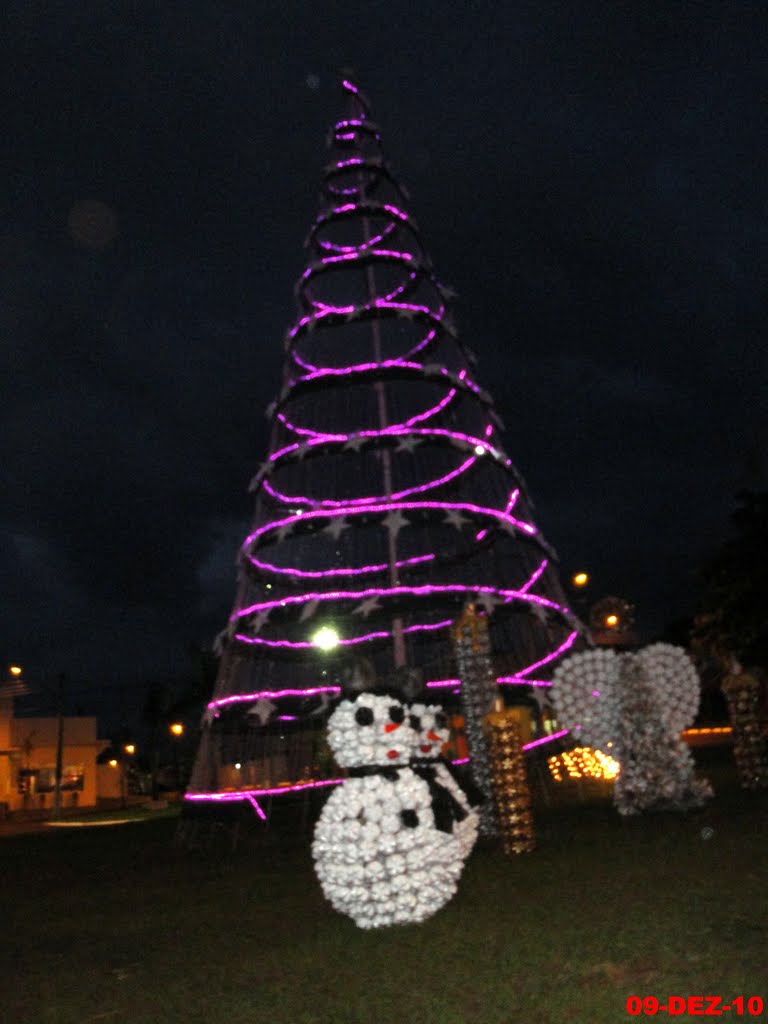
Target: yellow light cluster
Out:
[583,763]
[723,729]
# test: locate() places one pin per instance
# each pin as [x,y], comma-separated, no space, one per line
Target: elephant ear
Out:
[585,691]
[674,682]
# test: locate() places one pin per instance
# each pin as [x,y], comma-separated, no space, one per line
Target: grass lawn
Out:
[115,924]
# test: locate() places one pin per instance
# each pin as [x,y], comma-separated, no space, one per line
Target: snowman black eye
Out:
[396,714]
[415,722]
[364,716]
[409,818]
[441,720]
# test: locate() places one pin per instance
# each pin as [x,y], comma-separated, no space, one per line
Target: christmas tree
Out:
[386,503]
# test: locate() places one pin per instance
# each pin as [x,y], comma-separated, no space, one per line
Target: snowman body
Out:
[378,855]
[430,723]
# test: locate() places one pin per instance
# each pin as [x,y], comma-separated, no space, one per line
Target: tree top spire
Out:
[349,80]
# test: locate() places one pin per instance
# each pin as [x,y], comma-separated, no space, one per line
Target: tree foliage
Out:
[733,611]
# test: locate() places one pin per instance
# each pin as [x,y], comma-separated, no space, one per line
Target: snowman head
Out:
[430,724]
[370,729]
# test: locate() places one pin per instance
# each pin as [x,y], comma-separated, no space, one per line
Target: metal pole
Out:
[59,749]
[386,464]
[398,640]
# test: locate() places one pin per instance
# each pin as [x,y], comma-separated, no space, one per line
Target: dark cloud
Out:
[590,179]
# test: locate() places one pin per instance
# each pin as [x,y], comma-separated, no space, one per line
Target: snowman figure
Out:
[379,856]
[430,723]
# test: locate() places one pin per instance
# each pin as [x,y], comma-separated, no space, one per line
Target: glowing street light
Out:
[15,671]
[177,729]
[113,762]
[130,748]
[580,579]
[326,638]
[611,621]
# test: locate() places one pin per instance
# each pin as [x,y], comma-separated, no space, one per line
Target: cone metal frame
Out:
[386,501]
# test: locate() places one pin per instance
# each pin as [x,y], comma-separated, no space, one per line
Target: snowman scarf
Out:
[445,807]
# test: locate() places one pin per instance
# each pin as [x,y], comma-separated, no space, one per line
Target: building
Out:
[28,748]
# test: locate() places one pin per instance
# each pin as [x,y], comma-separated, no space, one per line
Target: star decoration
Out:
[262,710]
[455,518]
[308,610]
[488,601]
[369,605]
[284,531]
[538,611]
[325,700]
[258,621]
[354,443]
[575,623]
[395,521]
[220,640]
[337,526]
[407,442]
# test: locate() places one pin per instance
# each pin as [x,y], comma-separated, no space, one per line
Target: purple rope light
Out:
[385,507]
[238,698]
[536,575]
[568,642]
[517,681]
[331,503]
[455,437]
[296,645]
[422,590]
[545,739]
[311,574]
[247,794]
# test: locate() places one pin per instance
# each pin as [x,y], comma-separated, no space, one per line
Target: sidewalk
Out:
[30,823]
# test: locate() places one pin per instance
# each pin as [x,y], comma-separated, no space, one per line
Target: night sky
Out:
[589,177]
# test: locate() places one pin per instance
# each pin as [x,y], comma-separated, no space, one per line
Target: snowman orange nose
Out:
[391,726]
[432,735]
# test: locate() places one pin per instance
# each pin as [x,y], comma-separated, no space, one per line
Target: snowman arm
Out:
[475,796]
[445,807]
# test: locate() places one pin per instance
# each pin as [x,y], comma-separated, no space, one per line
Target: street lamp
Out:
[176,729]
[580,579]
[15,671]
[129,748]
